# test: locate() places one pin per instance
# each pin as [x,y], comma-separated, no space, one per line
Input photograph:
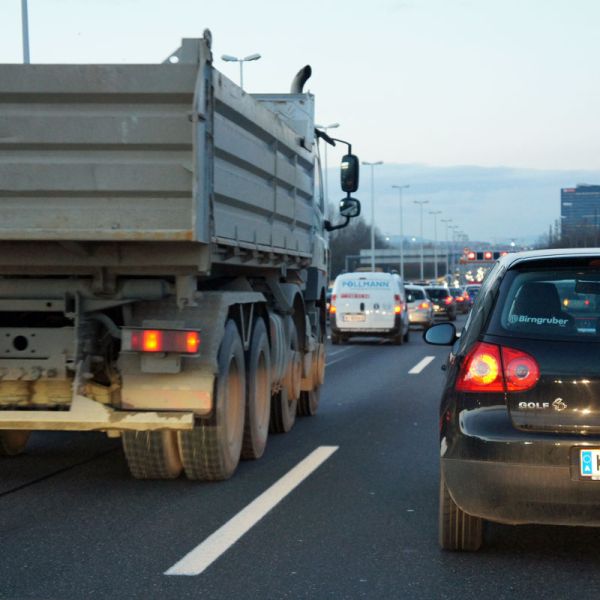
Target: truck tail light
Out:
[491,368]
[161,340]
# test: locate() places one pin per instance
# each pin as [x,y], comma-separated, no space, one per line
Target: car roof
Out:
[513,258]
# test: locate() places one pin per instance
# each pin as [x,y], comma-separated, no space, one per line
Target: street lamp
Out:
[372,165]
[447,221]
[25,30]
[420,203]
[435,213]
[325,128]
[229,58]
[400,188]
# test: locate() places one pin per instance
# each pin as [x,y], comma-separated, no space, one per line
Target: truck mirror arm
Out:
[330,227]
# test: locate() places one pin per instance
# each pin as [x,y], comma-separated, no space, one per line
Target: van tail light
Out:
[448,300]
[398,304]
[332,307]
[160,340]
[491,368]
[424,305]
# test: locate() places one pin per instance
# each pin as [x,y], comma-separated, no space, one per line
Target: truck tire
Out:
[211,451]
[13,443]
[335,338]
[152,454]
[458,530]
[284,405]
[308,403]
[258,394]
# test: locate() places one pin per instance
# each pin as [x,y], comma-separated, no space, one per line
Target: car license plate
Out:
[354,317]
[589,463]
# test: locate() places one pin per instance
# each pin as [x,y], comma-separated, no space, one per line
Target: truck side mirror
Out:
[349,173]
[349,207]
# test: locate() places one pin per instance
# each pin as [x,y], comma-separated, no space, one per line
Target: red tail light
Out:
[332,308]
[161,340]
[491,368]
[521,370]
[460,299]
[482,370]
[398,305]
[448,300]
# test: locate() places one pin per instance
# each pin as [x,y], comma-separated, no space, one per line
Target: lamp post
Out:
[420,203]
[25,30]
[435,213]
[400,188]
[372,165]
[229,58]
[325,128]
[447,221]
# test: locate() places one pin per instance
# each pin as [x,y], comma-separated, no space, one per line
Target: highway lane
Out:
[363,524]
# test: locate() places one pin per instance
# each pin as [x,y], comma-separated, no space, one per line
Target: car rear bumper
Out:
[518,494]
[418,318]
[510,476]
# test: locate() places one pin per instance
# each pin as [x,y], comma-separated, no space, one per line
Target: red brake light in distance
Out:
[482,370]
[471,256]
[521,370]
[488,255]
[332,308]
[491,368]
[162,340]
[448,300]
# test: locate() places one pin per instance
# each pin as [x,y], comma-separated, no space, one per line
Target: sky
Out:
[510,86]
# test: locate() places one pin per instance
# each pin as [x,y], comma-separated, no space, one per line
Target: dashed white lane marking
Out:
[421,365]
[340,351]
[203,555]
[332,362]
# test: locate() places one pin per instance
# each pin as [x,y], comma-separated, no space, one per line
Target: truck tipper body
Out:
[162,260]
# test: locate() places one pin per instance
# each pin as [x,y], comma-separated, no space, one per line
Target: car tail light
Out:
[482,370]
[448,300]
[332,308]
[521,370]
[424,305]
[491,368]
[460,299]
[398,304]
[161,340]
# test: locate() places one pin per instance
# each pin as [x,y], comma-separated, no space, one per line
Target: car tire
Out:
[457,529]
[335,339]
[406,337]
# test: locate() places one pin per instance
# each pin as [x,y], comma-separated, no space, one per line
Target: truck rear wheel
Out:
[211,451]
[258,401]
[13,442]
[152,454]
[308,403]
[284,404]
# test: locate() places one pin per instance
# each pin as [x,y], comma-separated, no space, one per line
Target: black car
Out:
[444,304]
[520,411]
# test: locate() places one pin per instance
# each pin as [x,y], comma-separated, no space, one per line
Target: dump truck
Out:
[163,260]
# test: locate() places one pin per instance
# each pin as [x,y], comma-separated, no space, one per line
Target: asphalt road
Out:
[363,524]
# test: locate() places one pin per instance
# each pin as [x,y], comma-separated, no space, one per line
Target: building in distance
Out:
[580,213]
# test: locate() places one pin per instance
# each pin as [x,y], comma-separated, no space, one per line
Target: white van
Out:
[368,304]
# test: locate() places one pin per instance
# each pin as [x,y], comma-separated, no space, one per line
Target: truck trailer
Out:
[163,260]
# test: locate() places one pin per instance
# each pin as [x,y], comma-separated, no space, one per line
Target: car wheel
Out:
[406,337]
[457,529]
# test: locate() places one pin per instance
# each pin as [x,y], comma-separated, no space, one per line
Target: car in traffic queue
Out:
[461,297]
[520,410]
[444,304]
[368,304]
[473,290]
[420,307]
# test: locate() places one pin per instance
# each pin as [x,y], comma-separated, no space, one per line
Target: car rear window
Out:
[555,305]
[437,293]
[412,295]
